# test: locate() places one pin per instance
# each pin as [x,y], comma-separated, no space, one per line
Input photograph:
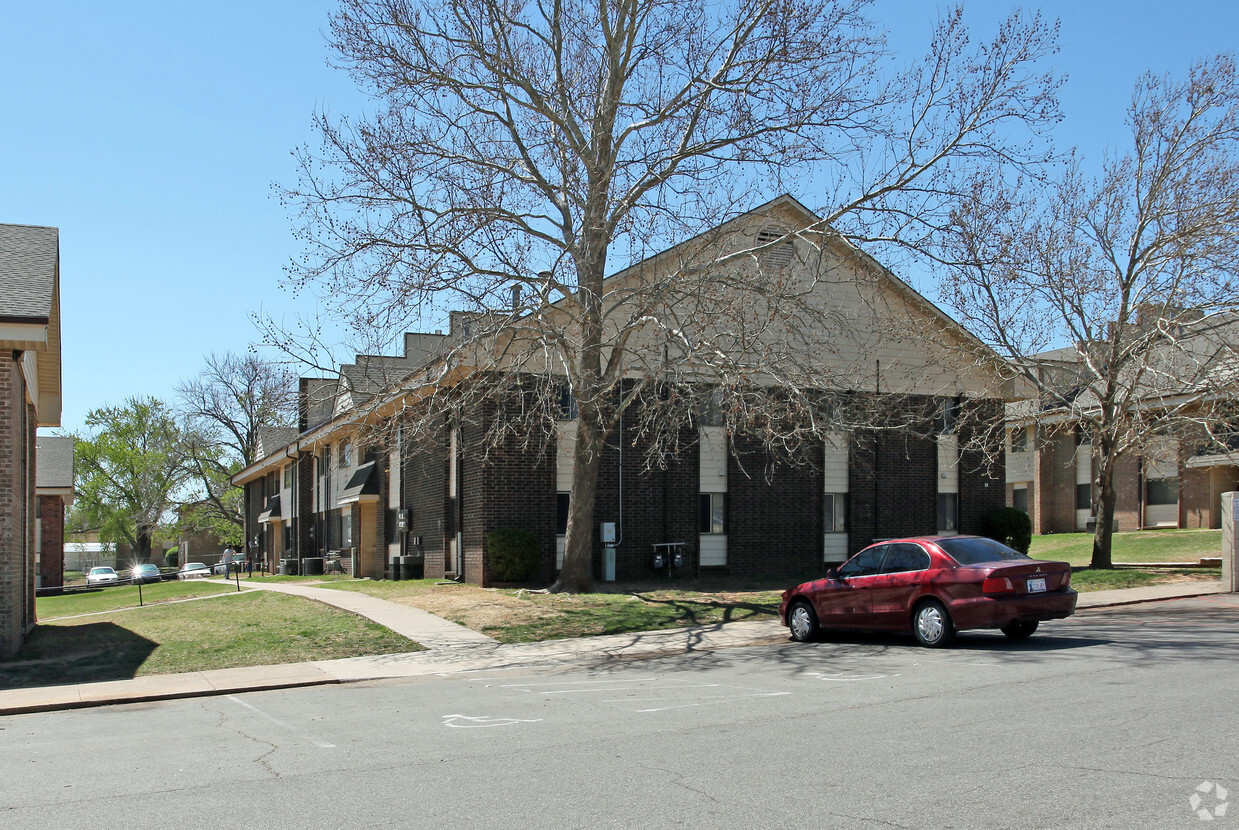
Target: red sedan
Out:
[934,585]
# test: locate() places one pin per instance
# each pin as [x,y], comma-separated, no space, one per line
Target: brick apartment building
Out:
[54,494]
[1175,482]
[720,502]
[30,397]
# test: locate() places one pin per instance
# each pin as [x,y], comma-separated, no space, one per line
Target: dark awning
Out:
[363,486]
[271,511]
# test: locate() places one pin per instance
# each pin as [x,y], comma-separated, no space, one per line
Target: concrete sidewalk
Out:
[452,648]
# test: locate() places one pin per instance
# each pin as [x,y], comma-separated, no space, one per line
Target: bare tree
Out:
[223,409]
[520,152]
[1116,297]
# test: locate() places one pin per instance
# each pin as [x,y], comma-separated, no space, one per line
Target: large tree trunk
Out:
[577,575]
[1103,533]
[142,551]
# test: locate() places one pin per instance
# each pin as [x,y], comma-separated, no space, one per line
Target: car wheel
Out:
[802,621]
[1020,630]
[932,624]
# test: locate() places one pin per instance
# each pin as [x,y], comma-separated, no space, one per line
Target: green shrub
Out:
[1010,526]
[514,554]
[170,558]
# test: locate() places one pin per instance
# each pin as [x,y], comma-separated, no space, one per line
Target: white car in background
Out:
[193,570]
[101,576]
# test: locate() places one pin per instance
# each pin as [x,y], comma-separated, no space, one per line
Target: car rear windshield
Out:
[975,550]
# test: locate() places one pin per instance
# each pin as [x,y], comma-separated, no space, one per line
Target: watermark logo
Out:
[1206,808]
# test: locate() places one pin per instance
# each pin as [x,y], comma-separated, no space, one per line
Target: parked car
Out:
[193,570]
[102,576]
[145,573]
[933,586]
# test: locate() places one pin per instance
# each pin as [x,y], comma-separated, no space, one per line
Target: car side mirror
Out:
[832,573]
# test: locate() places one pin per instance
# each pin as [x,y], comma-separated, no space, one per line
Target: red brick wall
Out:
[423,480]
[1127,484]
[51,541]
[1055,502]
[17,436]
[982,469]
[1195,509]
[775,512]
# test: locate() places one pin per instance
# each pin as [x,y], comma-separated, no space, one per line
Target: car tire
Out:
[802,621]
[931,623]
[1020,630]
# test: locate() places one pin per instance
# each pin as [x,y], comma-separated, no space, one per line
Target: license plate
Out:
[1036,586]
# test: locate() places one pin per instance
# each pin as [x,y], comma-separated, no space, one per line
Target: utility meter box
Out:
[608,533]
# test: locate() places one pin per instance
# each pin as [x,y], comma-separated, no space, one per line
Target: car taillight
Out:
[997,585]
[1065,582]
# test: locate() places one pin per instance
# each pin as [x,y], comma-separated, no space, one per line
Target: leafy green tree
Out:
[130,464]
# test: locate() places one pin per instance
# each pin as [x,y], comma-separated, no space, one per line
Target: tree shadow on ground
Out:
[56,655]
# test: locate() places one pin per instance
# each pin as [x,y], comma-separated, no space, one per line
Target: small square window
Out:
[1019,439]
[712,517]
[567,408]
[346,454]
[948,512]
[563,501]
[836,509]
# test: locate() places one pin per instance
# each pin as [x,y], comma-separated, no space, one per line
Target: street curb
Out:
[1119,602]
[34,708]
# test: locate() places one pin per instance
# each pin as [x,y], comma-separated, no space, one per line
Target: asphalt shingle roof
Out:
[53,462]
[28,256]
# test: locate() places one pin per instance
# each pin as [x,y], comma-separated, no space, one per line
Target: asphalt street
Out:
[1121,718]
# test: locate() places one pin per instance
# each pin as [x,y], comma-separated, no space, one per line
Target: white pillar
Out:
[1230,555]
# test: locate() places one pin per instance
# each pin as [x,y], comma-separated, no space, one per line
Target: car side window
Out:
[865,563]
[905,557]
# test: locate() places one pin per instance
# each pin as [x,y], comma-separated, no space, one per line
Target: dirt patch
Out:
[478,608]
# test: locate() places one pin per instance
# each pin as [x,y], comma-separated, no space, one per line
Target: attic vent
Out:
[777,255]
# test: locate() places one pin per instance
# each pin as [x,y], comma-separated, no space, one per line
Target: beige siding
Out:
[835,480]
[713,459]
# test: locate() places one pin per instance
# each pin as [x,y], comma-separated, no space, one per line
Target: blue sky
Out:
[151,133]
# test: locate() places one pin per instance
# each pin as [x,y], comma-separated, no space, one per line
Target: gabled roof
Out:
[29,256]
[30,311]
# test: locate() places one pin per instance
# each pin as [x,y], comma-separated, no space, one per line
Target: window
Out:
[836,512]
[567,404]
[1163,491]
[1084,497]
[710,409]
[712,517]
[1019,439]
[1019,498]
[346,454]
[948,512]
[290,533]
[903,558]
[973,550]
[948,416]
[288,477]
[346,528]
[866,563]
[563,501]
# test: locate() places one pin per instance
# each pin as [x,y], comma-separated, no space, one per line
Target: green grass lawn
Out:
[252,628]
[1136,546]
[1088,579]
[124,596]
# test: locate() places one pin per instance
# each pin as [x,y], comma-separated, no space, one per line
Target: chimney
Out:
[516,297]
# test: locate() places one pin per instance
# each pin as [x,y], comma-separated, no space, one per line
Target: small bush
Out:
[170,558]
[1010,526]
[514,554]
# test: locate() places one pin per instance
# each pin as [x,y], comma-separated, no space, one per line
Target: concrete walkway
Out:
[452,648]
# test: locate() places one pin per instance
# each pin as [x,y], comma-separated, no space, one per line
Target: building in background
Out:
[30,397]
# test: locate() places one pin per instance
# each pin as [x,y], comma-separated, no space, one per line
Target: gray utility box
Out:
[1230,555]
